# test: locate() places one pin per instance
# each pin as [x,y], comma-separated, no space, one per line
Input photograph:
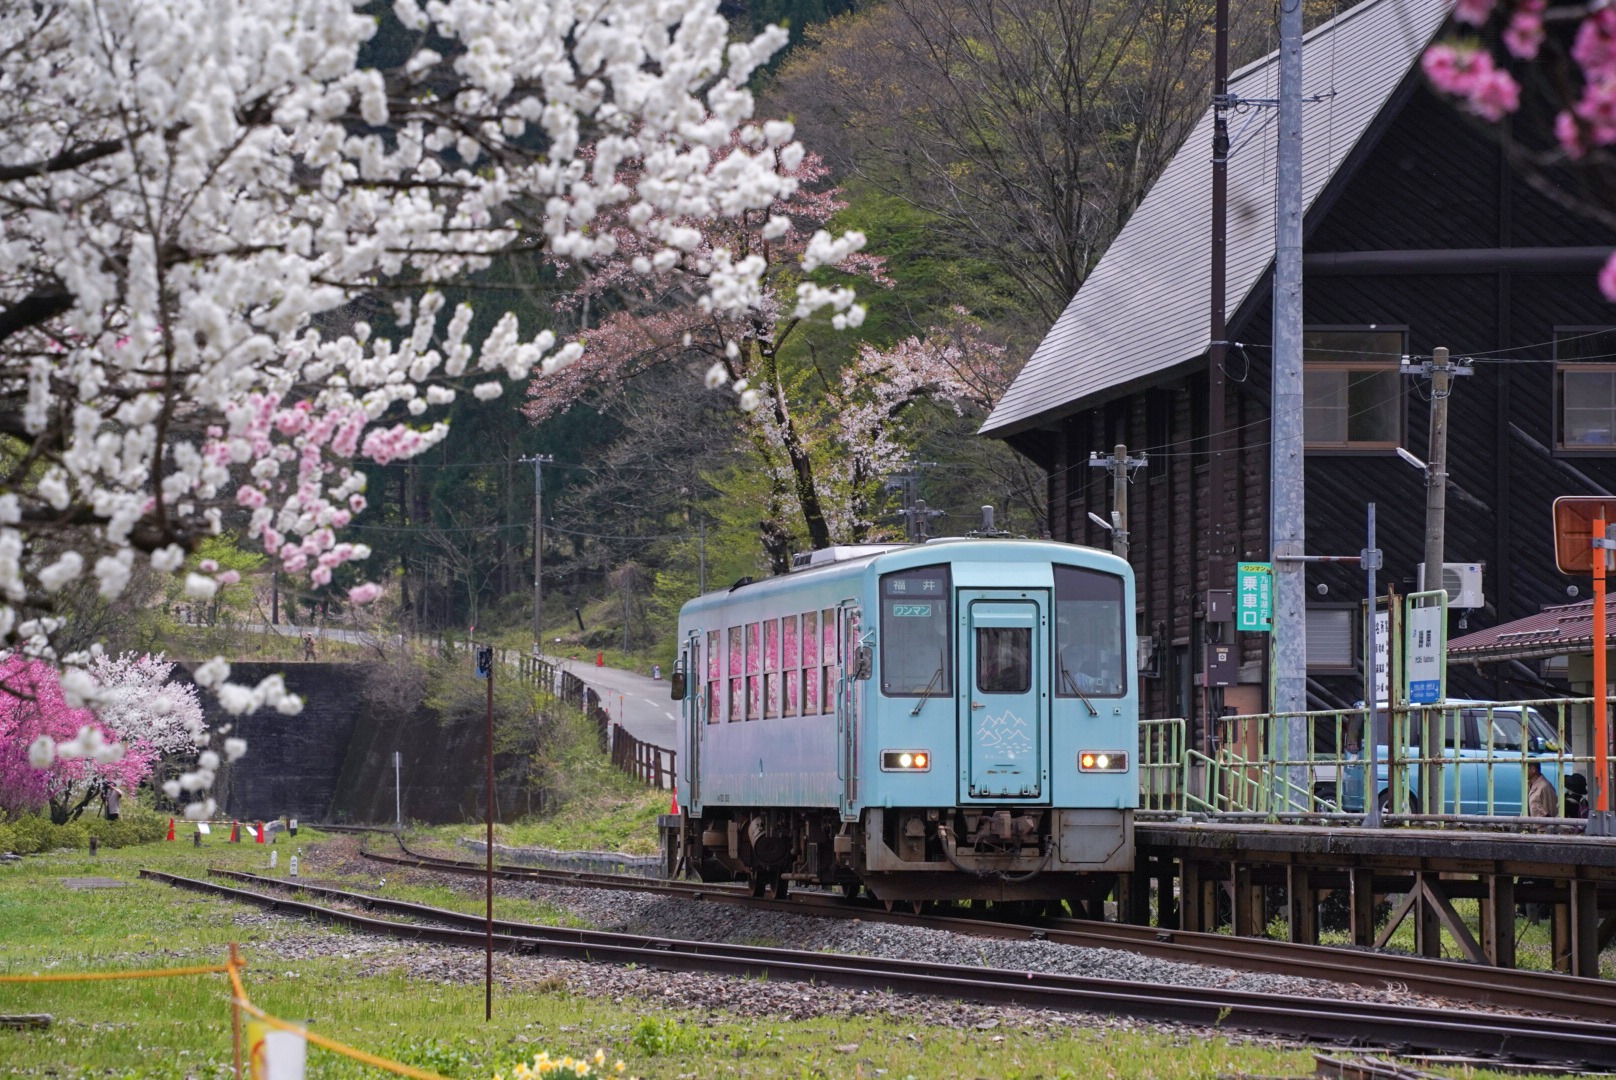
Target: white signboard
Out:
[1427,644]
[1382,653]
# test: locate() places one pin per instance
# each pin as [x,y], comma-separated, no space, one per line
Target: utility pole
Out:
[1224,548]
[701,581]
[1442,372]
[1221,551]
[1118,465]
[914,512]
[1288,524]
[539,461]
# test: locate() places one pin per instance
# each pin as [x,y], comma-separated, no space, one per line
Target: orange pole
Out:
[1601,649]
[235,1006]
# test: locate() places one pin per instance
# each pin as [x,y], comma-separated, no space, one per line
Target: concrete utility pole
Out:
[539,461]
[1436,477]
[1118,465]
[701,584]
[1288,524]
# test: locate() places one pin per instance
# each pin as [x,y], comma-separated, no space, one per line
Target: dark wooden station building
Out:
[1419,233]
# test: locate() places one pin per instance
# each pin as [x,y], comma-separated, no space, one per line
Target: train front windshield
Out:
[914,633]
[1088,634]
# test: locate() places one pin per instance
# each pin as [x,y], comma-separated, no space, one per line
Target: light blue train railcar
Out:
[955,719]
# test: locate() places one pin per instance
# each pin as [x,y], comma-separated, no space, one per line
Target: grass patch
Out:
[180,1027]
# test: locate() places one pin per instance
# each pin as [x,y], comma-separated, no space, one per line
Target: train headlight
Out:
[906,761]
[1102,761]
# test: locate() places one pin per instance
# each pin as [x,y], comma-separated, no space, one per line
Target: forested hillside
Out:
[988,149]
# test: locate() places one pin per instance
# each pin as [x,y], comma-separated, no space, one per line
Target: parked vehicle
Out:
[1486,748]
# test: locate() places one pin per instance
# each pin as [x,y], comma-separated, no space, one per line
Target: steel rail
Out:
[1511,988]
[1525,1039]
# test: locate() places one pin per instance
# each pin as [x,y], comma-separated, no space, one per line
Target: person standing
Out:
[112,800]
[308,646]
[1540,798]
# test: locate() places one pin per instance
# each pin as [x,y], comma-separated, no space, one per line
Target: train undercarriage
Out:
[1001,854]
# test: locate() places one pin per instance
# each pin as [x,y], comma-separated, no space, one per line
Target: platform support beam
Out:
[1584,904]
[1498,921]
[1189,897]
[1246,900]
[1427,923]
[1302,909]
[1363,907]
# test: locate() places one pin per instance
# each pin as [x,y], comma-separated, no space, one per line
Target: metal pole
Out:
[1119,500]
[1288,525]
[398,789]
[1371,563]
[1436,474]
[488,971]
[701,583]
[1599,821]
[1220,553]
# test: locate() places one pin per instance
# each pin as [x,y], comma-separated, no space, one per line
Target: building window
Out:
[1330,638]
[1352,391]
[1585,387]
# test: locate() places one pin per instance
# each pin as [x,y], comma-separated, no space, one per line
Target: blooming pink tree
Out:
[870,437]
[826,440]
[1574,45]
[52,753]
[201,200]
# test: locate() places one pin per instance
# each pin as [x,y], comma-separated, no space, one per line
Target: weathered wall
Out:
[442,773]
[334,760]
[292,762]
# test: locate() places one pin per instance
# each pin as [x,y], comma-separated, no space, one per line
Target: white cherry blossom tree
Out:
[196,194]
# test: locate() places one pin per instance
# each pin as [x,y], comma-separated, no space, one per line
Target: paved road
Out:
[641,704]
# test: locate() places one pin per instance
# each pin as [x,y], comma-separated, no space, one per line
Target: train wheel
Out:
[759,882]
[851,889]
[782,887]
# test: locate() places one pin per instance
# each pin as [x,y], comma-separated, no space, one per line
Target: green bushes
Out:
[34,833]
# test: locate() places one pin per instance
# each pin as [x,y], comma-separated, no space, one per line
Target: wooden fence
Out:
[642,760]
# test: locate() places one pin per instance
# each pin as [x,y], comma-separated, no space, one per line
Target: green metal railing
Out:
[1433,761]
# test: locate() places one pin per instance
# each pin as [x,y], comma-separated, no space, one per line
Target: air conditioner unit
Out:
[1462,580]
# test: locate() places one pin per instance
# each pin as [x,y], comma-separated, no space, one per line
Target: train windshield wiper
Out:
[926,693]
[1072,683]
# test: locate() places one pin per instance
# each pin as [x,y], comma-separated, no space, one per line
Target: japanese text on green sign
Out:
[1254,597]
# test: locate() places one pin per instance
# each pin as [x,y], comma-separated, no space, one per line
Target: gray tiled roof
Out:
[1144,307]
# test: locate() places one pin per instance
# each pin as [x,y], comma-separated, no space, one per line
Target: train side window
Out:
[1003,659]
[754,658]
[788,666]
[810,664]
[771,668]
[737,699]
[714,697]
[827,660]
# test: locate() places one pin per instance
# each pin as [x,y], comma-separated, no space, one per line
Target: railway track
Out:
[1523,1039]
[1508,988]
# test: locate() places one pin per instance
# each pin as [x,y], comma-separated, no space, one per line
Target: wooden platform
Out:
[1423,870]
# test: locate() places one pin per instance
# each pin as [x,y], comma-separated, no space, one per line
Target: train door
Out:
[1004,738]
[847,719]
[694,708]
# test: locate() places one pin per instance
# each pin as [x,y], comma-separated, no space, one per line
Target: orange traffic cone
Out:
[674,809]
[171,828]
[260,832]
[235,832]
